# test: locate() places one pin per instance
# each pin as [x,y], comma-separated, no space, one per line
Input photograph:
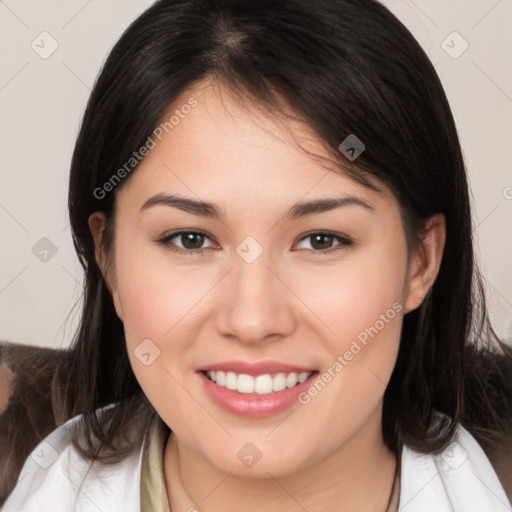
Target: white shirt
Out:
[55,478]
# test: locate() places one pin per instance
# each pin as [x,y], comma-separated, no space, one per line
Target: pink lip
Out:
[255,369]
[254,406]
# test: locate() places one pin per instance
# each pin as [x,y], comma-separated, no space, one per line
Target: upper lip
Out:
[254,369]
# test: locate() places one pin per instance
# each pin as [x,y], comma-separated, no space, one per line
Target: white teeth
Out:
[221,378]
[245,383]
[261,385]
[291,380]
[279,382]
[231,380]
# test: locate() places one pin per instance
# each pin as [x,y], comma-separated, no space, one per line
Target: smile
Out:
[260,385]
[255,390]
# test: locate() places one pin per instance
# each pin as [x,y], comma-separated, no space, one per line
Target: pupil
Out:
[189,237]
[321,237]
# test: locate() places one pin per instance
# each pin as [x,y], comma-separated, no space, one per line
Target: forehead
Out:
[221,148]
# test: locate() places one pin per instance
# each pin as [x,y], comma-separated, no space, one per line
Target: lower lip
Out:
[254,406]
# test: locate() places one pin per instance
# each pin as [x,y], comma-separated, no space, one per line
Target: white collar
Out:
[461,478]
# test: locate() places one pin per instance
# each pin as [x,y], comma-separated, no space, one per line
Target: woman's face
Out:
[261,300]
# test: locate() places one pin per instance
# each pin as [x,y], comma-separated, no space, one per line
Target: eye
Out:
[321,239]
[191,240]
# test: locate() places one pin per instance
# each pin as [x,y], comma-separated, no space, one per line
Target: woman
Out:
[281,306]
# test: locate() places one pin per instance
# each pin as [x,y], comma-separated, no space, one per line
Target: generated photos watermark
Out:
[143,151]
[343,360]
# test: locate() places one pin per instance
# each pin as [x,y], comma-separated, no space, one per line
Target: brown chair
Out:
[28,407]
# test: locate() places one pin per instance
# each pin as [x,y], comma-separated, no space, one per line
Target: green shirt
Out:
[153,494]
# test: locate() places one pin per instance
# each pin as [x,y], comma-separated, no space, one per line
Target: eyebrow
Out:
[299,210]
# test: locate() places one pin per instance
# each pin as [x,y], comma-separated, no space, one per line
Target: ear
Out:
[97,223]
[425,262]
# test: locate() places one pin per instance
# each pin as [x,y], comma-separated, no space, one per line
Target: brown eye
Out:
[191,241]
[322,242]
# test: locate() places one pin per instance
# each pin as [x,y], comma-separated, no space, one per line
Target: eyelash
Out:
[344,242]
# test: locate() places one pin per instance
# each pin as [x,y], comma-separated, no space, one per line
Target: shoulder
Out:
[56,477]
[501,460]
[461,477]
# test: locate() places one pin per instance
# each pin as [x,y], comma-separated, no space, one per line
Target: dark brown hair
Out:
[345,67]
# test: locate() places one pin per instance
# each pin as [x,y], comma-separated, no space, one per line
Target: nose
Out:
[254,303]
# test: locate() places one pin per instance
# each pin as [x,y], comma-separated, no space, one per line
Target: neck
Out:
[357,476]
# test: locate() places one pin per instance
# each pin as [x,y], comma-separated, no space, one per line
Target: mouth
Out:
[263,384]
[255,390]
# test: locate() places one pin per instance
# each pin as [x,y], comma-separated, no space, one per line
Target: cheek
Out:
[154,294]
[353,296]
[360,304]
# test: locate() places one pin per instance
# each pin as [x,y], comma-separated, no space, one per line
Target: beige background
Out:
[42,100]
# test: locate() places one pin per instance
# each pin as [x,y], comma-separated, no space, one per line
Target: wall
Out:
[43,95]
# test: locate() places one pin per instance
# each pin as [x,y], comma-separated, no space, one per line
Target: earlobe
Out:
[425,262]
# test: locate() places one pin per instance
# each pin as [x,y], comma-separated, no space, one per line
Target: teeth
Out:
[231,380]
[245,383]
[261,385]
[221,379]
[291,380]
[303,376]
[279,382]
